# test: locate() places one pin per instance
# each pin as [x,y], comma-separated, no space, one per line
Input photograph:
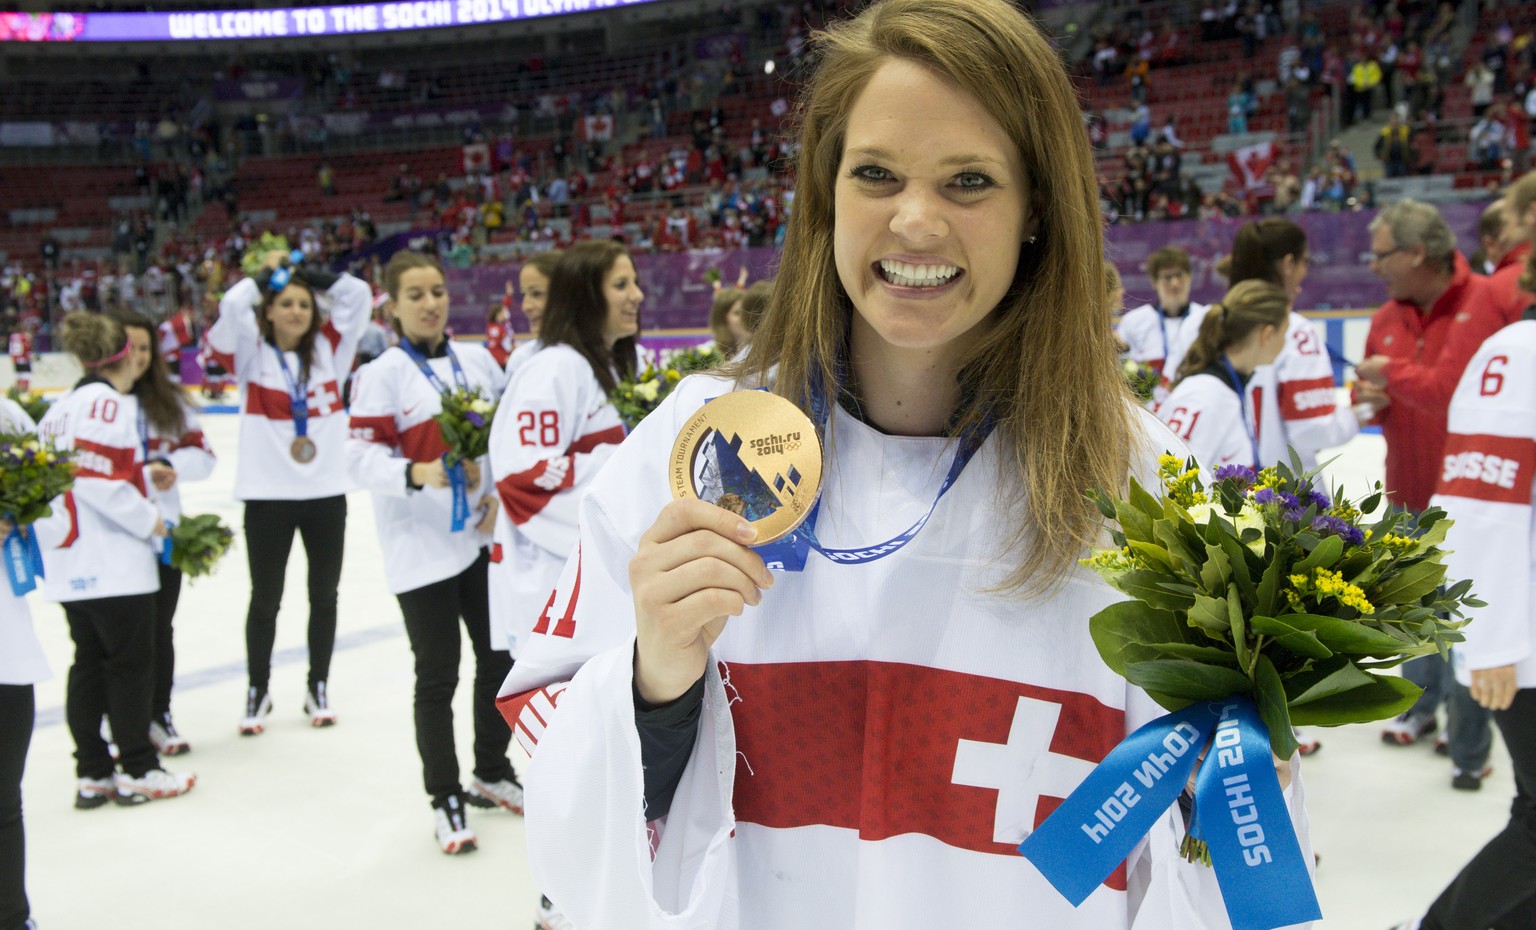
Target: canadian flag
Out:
[477,157]
[597,128]
[1249,163]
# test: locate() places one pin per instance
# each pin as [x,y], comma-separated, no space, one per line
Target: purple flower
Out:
[1291,506]
[1265,496]
[1241,475]
[475,418]
[1318,499]
[1334,526]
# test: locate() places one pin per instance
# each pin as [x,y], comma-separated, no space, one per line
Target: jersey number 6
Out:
[1493,381]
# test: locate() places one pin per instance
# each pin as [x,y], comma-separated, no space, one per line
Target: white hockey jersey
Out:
[99,540]
[876,739]
[191,456]
[265,468]
[21,656]
[554,429]
[1487,487]
[393,404]
[521,354]
[1206,412]
[1296,399]
[1159,341]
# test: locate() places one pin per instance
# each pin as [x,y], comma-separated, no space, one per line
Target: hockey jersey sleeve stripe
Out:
[113,463]
[274,404]
[587,443]
[380,430]
[423,442]
[331,335]
[523,712]
[74,520]
[224,360]
[1307,399]
[528,492]
[1488,468]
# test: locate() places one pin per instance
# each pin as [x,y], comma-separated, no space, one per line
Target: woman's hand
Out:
[162,476]
[5,527]
[1495,688]
[429,474]
[161,530]
[488,514]
[692,572]
[471,473]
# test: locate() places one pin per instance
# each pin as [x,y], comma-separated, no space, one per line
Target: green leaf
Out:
[1134,523]
[1269,695]
[1148,586]
[1408,585]
[1129,623]
[1167,533]
[1295,640]
[1269,586]
[1325,682]
[1215,575]
[1385,697]
[1324,555]
[1238,556]
[1154,555]
[1182,678]
[1434,534]
[1145,502]
[1210,614]
[1350,637]
[1239,628]
[1209,655]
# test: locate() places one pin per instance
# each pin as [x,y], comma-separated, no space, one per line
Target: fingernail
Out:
[745,532]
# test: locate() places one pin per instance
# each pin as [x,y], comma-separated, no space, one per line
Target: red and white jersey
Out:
[876,739]
[1297,401]
[520,355]
[265,468]
[393,404]
[498,339]
[191,456]
[1160,341]
[19,346]
[21,655]
[1487,487]
[99,540]
[1207,413]
[554,429]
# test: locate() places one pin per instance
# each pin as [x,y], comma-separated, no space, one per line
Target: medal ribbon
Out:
[298,396]
[23,560]
[789,553]
[458,478]
[1242,400]
[1240,813]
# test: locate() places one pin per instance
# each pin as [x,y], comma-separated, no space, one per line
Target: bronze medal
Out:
[303,450]
[753,453]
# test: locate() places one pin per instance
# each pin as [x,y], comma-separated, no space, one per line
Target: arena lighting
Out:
[769,67]
[284,23]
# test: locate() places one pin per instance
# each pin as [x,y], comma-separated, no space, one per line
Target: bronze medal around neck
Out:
[753,453]
[303,450]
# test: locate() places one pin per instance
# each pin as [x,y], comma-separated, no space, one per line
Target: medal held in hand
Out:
[753,453]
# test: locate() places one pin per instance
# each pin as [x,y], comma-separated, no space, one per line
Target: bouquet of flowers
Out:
[198,543]
[1141,378]
[34,403]
[1264,586]
[466,424]
[32,473]
[636,397]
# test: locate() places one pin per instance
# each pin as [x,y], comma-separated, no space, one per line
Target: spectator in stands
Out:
[1479,81]
[1392,146]
[1364,78]
[1489,138]
[1170,133]
[1239,102]
[325,176]
[1490,239]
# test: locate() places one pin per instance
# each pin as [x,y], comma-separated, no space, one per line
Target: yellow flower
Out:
[673,377]
[647,390]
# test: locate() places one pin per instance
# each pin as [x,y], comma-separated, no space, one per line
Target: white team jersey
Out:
[1205,411]
[876,739]
[393,405]
[521,354]
[1297,403]
[265,468]
[98,541]
[188,453]
[1487,487]
[554,428]
[1159,341]
[21,656]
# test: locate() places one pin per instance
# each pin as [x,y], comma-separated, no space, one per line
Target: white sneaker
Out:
[167,741]
[453,835]
[548,917]
[258,704]
[506,794]
[153,785]
[1406,729]
[94,792]
[318,706]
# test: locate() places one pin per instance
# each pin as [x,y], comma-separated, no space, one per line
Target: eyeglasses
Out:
[1372,258]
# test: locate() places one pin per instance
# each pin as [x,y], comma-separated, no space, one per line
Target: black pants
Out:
[165,650]
[432,616]
[1498,887]
[17,712]
[114,673]
[269,529]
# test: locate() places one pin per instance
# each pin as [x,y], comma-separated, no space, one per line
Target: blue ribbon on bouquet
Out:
[458,482]
[1240,813]
[23,561]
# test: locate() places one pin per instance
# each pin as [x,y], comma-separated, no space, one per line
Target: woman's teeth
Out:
[905,274]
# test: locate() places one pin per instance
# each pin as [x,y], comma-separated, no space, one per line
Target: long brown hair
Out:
[160,399]
[1247,307]
[1260,247]
[305,350]
[93,338]
[725,299]
[578,308]
[1058,437]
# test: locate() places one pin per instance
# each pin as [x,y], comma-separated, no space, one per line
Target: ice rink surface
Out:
[304,829]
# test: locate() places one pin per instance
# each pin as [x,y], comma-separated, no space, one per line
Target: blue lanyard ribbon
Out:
[298,395]
[23,561]
[789,554]
[1242,400]
[458,478]
[1240,813]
